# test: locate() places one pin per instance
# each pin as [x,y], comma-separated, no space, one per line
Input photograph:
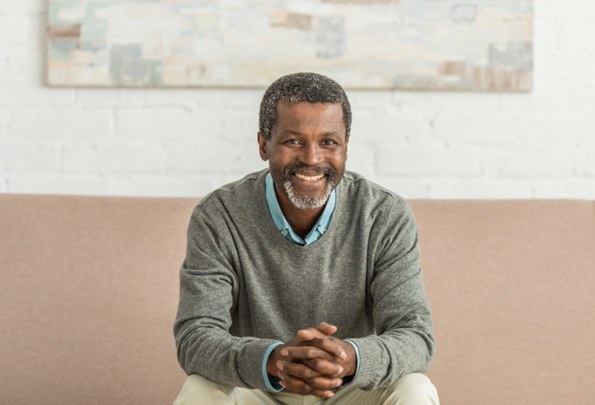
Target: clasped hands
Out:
[313,362]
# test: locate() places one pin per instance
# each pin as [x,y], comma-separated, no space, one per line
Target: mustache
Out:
[309,170]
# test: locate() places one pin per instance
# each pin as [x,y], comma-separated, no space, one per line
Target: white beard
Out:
[306,203]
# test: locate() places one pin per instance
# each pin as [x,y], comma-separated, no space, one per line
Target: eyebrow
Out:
[298,133]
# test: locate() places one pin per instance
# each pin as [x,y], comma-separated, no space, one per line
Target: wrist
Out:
[353,357]
[351,365]
[271,367]
[269,375]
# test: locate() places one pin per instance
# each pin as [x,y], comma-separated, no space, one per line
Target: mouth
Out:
[308,187]
[309,178]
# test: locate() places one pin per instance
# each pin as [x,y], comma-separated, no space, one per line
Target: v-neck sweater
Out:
[244,286]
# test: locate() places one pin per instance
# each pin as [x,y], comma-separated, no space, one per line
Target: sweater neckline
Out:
[278,236]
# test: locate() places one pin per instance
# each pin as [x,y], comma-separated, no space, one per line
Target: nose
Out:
[311,154]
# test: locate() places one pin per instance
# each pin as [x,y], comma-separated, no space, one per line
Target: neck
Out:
[301,220]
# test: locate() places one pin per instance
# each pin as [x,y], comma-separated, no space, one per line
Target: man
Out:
[301,283]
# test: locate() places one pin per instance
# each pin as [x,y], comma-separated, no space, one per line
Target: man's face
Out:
[306,153]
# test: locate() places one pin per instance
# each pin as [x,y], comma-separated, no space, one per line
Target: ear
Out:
[262,146]
[346,148]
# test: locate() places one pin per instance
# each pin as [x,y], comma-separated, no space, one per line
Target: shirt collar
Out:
[283,226]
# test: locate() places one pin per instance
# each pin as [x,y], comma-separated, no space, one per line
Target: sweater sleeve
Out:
[208,285]
[404,341]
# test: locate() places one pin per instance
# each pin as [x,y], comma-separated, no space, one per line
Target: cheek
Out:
[277,165]
[339,159]
[280,159]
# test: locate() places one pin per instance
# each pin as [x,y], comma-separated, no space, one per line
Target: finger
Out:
[321,383]
[297,370]
[310,369]
[331,345]
[320,387]
[297,373]
[306,353]
[294,384]
[324,367]
[301,338]
[323,394]
[310,334]
[327,328]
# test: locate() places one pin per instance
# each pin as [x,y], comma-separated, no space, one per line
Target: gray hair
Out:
[297,88]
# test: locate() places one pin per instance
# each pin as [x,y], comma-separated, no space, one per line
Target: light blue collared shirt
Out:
[283,226]
[287,231]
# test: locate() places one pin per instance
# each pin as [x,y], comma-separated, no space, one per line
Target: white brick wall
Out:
[186,142]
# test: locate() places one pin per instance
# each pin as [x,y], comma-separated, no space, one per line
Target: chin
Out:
[307,202]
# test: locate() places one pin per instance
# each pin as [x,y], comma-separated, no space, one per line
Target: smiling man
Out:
[306,150]
[301,283]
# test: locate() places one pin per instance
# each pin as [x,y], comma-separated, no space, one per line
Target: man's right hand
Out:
[312,362]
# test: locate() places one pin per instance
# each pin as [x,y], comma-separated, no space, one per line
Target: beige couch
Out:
[89,288]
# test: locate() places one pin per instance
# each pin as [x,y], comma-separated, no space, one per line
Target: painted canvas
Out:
[476,45]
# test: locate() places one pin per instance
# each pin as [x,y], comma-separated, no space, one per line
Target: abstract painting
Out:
[468,45]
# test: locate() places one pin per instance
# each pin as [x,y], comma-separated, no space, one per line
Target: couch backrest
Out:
[89,288]
[88,294]
[512,288]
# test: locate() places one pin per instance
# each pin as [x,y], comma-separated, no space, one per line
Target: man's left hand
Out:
[317,355]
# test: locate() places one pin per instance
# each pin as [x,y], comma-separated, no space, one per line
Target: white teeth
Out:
[309,178]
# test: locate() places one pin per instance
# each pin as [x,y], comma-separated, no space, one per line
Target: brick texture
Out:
[186,142]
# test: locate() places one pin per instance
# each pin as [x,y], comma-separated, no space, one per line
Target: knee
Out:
[199,390]
[414,389]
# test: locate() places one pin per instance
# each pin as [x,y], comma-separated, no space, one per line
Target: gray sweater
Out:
[243,286]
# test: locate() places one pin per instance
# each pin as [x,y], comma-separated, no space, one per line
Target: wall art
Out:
[473,45]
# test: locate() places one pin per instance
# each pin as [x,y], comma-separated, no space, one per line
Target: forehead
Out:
[304,113]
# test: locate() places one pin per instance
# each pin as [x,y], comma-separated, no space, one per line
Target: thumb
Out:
[322,330]
[327,328]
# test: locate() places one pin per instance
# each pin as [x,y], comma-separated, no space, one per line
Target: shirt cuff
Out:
[349,378]
[270,382]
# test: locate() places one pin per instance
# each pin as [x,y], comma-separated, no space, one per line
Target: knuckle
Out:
[315,363]
[312,373]
[306,374]
[306,388]
[323,364]
[323,383]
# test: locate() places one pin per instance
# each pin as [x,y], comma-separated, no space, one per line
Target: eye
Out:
[293,141]
[328,142]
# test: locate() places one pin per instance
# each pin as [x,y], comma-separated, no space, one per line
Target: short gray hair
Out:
[297,88]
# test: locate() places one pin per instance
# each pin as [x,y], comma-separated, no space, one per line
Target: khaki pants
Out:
[412,389]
